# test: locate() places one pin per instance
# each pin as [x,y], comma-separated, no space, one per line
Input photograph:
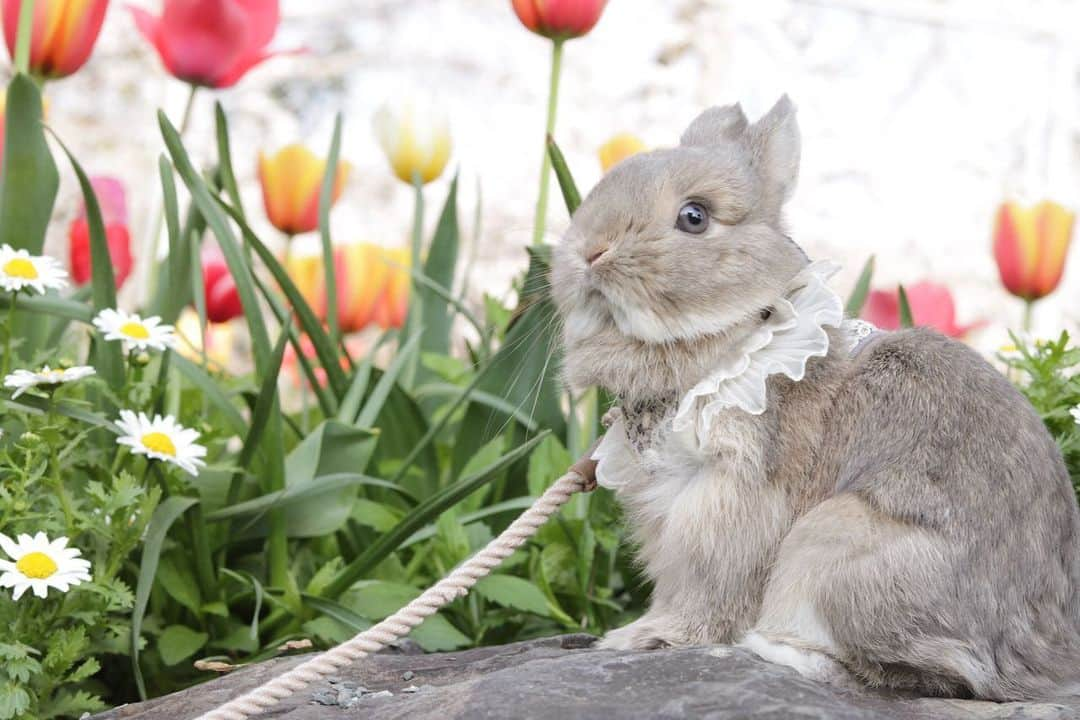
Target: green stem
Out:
[204,564]
[23,36]
[416,304]
[545,167]
[1029,306]
[9,331]
[185,119]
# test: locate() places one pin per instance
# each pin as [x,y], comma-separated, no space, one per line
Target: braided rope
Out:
[375,638]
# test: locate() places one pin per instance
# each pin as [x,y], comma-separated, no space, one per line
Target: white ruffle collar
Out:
[794,333]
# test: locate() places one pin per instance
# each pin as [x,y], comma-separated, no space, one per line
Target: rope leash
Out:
[581,476]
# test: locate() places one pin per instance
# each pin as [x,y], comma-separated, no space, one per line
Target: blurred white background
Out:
[918,117]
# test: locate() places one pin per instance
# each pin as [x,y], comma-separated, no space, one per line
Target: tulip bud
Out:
[618,148]
[1030,245]
[931,306]
[110,196]
[291,183]
[210,42]
[559,19]
[416,141]
[219,288]
[63,36]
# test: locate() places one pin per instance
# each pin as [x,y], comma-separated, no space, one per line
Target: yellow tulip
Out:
[291,182]
[618,148]
[416,141]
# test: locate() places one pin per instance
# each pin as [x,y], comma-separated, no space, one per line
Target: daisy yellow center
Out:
[36,565]
[135,330]
[20,268]
[159,443]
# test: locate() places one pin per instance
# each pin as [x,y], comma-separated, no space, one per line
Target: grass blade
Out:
[439,267]
[906,319]
[212,391]
[225,166]
[570,193]
[382,389]
[164,516]
[295,494]
[326,199]
[861,291]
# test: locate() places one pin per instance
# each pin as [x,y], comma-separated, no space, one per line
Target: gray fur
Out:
[902,517]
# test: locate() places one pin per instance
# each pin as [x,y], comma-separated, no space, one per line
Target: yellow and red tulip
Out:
[291,182]
[416,140]
[64,33]
[210,42]
[1030,244]
[618,148]
[110,196]
[373,284]
[559,19]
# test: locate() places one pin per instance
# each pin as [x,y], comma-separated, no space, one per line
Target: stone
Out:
[564,677]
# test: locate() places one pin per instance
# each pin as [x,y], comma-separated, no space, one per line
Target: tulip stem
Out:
[22,39]
[416,307]
[185,119]
[1029,306]
[545,167]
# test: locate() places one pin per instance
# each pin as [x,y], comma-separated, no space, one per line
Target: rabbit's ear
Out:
[716,125]
[775,146]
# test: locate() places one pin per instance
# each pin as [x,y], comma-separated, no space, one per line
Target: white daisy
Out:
[161,439]
[1075,412]
[19,270]
[136,332]
[38,564]
[23,380]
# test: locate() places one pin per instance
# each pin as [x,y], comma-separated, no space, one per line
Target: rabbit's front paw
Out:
[643,634]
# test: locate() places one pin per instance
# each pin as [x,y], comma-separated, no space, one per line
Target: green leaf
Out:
[28,179]
[515,592]
[164,516]
[211,390]
[385,384]
[547,464]
[906,319]
[377,599]
[326,199]
[862,289]
[426,511]
[375,515]
[481,398]
[14,701]
[521,503]
[72,704]
[108,357]
[180,642]
[225,165]
[570,193]
[178,581]
[440,265]
[319,486]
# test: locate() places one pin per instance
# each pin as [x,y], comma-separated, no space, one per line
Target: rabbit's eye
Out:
[693,218]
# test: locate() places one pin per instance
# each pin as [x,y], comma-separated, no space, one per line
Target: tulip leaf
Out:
[29,178]
[439,267]
[375,401]
[324,347]
[906,318]
[212,392]
[570,193]
[108,357]
[861,291]
[326,199]
[225,166]
[524,369]
[423,513]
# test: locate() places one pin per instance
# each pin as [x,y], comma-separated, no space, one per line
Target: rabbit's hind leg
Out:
[855,594]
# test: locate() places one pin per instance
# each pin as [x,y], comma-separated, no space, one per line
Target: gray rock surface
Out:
[562,678]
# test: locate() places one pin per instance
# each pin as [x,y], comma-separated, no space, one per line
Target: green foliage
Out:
[1048,373]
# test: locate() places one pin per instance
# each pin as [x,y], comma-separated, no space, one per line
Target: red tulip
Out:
[931,306]
[110,196]
[1030,246]
[219,288]
[210,42]
[559,19]
[64,33]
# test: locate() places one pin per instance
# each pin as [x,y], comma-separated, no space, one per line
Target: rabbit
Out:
[895,516]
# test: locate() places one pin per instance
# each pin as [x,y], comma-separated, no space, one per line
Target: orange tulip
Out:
[1030,246]
[291,181]
[63,36]
[618,148]
[373,284]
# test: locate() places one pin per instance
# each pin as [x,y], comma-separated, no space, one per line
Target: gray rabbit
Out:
[882,508]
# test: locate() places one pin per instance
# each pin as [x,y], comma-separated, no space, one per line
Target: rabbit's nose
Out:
[595,253]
